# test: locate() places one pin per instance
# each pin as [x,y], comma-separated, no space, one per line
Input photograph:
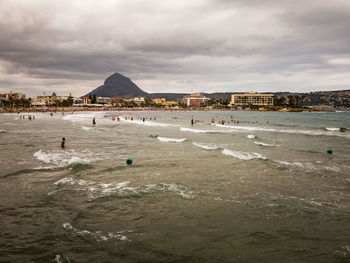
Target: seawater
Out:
[263,190]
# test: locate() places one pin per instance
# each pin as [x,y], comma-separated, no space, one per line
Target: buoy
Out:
[129,161]
[330,151]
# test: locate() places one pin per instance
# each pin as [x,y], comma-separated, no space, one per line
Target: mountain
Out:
[118,85]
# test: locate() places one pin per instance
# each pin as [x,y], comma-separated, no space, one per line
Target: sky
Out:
[179,46]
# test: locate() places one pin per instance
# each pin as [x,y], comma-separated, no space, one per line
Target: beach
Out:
[258,188]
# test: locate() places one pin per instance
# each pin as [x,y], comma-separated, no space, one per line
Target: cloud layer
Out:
[175,46]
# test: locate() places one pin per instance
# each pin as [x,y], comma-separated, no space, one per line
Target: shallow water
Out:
[263,190]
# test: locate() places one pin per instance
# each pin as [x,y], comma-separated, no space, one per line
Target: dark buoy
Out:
[330,151]
[129,161]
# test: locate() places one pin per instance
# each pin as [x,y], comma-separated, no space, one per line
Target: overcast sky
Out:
[71,46]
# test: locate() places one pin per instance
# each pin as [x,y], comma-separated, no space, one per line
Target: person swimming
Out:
[63,142]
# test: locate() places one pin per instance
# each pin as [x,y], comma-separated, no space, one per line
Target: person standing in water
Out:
[62,142]
[192,121]
[94,121]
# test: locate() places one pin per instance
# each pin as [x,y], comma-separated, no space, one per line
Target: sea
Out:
[259,187]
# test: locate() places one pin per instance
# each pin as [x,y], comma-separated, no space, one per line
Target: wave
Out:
[297,164]
[65,158]
[164,139]
[206,146]
[243,155]
[86,128]
[97,235]
[203,131]
[341,129]
[95,190]
[149,123]
[3,131]
[250,136]
[305,132]
[265,144]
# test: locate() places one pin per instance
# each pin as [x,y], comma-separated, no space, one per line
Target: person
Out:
[62,142]
[93,121]
[143,119]
[192,121]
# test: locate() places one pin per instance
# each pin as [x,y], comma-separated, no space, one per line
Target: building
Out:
[103,100]
[117,101]
[252,99]
[159,101]
[195,100]
[14,96]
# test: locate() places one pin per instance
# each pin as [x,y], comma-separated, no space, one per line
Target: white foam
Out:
[305,132]
[63,158]
[96,190]
[250,136]
[307,165]
[149,123]
[264,144]
[206,146]
[203,131]
[243,155]
[86,128]
[332,129]
[164,139]
[98,235]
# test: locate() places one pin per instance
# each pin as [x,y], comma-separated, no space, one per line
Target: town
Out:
[15,101]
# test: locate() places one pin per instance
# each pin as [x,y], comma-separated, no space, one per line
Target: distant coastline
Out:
[78,109]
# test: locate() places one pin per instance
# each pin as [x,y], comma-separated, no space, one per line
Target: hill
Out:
[118,85]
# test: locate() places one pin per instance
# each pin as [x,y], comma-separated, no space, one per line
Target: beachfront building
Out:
[13,96]
[138,100]
[164,102]
[252,99]
[159,101]
[45,100]
[117,101]
[195,100]
[103,100]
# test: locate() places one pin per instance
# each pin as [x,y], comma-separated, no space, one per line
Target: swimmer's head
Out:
[64,139]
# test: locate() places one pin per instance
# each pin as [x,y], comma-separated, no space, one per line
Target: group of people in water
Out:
[29,117]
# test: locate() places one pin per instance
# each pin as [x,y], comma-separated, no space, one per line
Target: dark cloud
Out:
[174,46]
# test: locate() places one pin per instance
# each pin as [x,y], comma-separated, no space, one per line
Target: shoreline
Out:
[82,109]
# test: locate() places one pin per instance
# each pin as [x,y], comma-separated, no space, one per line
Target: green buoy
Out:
[330,151]
[129,161]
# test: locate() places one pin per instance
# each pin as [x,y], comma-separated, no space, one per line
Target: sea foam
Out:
[96,190]
[164,139]
[203,131]
[149,123]
[264,144]
[97,235]
[64,158]
[206,146]
[243,155]
[292,131]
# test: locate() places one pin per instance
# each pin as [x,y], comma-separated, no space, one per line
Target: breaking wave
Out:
[164,139]
[243,155]
[250,136]
[264,144]
[149,123]
[206,146]
[305,132]
[64,158]
[203,131]
[95,190]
